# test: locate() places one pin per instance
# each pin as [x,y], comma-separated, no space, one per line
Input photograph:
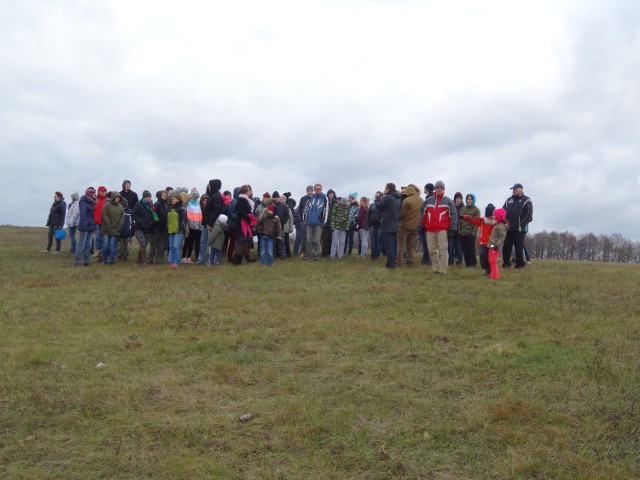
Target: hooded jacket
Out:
[87,220]
[410,210]
[73,212]
[112,216]
[215,203]
[465,227]
[130,195]
[340,218]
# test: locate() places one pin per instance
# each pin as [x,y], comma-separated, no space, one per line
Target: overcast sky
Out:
[351,94]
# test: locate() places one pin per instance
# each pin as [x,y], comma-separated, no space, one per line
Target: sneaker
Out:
[45,251]
[188,260]
[55,251]
[528,262]
[173,264]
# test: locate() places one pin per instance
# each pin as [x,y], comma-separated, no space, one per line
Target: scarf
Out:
[150,207]
[250,200]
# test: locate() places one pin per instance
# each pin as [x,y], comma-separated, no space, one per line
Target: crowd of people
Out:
[182,227]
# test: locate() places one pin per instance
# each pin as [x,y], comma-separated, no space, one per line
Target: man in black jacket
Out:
[389,208]
[519,214]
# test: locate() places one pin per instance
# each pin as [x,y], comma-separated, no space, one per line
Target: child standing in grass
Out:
[176,227]
[216,240]
[269,228]
[496,241]
[486,224]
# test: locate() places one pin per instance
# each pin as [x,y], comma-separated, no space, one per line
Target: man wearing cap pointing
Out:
[519,213]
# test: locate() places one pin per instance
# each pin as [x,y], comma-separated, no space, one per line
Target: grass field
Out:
[340,370]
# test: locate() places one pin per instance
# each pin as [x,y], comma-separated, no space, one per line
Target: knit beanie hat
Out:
[266,195]
[275,194]
[194,193]
[429,187]
[146,194]
[90,192]
[124,203]
[439,183]
[75,196]
[488,211]
[222,218]
[500,214]
[353,195]
[457,195]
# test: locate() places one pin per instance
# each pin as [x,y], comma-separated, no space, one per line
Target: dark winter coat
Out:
[143,218]
[215,204]
[57,213]
[389,208]
[87,221]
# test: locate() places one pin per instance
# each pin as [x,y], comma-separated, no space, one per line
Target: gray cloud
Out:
[76,112]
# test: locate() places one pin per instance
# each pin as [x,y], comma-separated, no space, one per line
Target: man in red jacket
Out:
[440,220]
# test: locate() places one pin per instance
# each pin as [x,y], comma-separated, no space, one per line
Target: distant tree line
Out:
[586,247]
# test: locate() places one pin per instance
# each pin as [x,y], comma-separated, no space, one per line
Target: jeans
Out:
[390,242]
[376,242]
[364,241]
[72,237]
[266,250]
[350,241]
[98,238]
[216,256]
[83,250]
[204,238]
[455,249]
[175,247]
[109,249]
[338,239]
[314,234]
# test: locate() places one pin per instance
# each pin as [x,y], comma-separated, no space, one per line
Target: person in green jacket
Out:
[468,232]
[112,220]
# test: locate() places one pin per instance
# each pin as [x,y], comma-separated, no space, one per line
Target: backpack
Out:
[126,230]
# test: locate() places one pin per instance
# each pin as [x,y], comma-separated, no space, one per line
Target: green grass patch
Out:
[347,370]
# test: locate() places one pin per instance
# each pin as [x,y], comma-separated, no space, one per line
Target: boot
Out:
[140,261]
[237,260]
[144,257]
